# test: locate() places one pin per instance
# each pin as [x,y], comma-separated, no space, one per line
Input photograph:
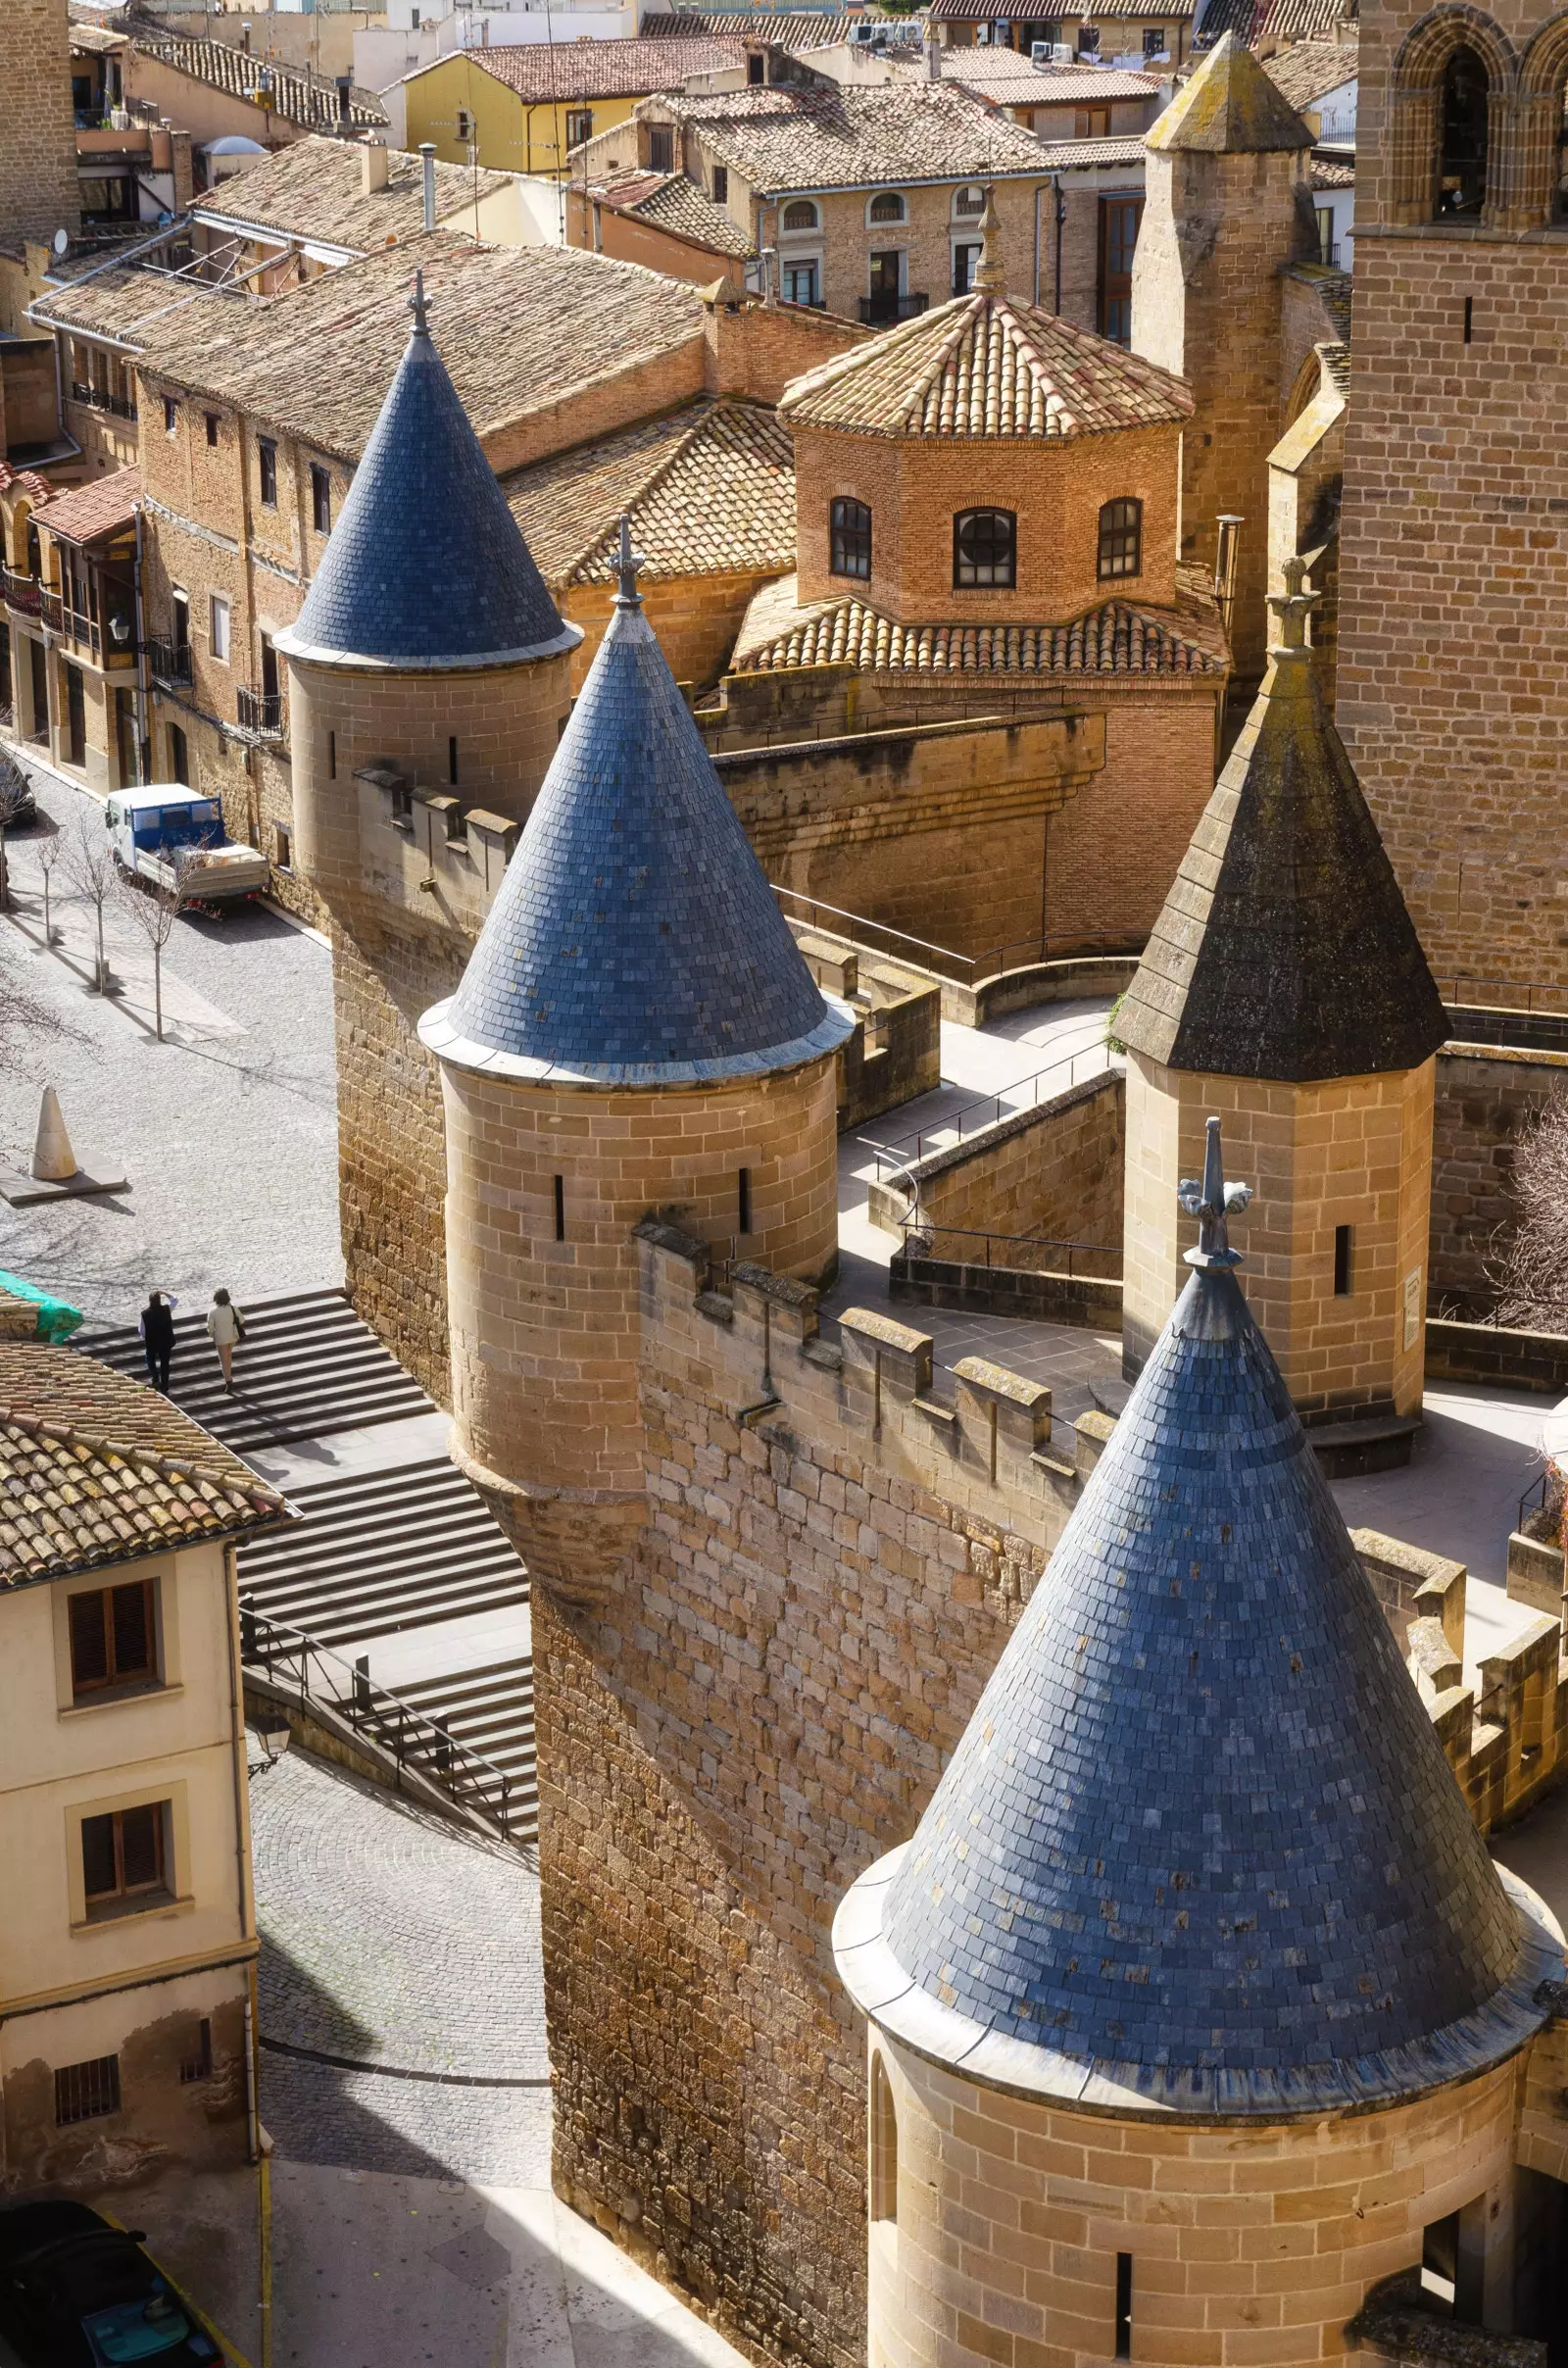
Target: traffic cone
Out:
[53,1159]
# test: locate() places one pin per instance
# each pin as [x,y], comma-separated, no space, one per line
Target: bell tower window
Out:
[851,537]
[1463,129]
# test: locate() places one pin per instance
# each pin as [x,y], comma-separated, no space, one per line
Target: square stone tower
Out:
[1228,201]
[1285,988]
[1452,688]
[38,187]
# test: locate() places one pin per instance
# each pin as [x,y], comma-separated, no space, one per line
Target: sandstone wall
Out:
[38,189]
[1053,1173]
[1487,1096]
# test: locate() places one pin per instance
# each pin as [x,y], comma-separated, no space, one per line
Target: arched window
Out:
[1462,131]
[985,548]
[886,206]
[851,539]
[884,2132]
[798,214]
[969,204]
[1121,539]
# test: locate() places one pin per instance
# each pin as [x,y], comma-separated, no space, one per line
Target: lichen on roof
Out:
[1229,108]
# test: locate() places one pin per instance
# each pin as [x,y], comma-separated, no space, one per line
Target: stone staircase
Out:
[490,1712]
[378,1552]
[307,1368]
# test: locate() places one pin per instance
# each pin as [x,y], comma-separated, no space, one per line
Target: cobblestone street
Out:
[227,1130]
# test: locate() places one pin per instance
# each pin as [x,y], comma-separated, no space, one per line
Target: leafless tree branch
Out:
[1532,1271]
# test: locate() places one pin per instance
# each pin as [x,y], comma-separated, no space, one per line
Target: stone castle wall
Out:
[1487,1096]
[38,187]
[1053,1173]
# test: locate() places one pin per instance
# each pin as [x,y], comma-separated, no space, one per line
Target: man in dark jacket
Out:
[156,1329]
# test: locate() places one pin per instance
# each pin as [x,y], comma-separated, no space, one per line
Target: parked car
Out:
[77,2293]
[164,832]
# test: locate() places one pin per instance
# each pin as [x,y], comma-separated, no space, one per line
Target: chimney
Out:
[427,160]
[373,162]
[933,58]
[245,39]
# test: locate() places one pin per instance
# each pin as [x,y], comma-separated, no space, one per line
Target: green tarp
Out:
[56,1320]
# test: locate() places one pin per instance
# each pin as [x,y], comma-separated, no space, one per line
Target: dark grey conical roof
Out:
[425,568]
[1198,1840]
[635,939]
[1285,947]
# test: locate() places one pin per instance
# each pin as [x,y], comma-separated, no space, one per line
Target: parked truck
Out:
[169,835]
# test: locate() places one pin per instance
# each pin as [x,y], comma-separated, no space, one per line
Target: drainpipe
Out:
[427,160]
[1040,191]
[144,734]
[1062,216]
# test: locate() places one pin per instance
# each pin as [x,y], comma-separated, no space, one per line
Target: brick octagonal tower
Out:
[1196,2000]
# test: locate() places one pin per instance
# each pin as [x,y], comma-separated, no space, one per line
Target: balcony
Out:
[883,309]
[24,593]
[169,661]
[96,398]
[50,607]
[259,712]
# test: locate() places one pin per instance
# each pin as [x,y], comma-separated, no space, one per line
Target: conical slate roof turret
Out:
[1285,948]
[1199,1848]
[1230,108]
[425,570]
[635,940]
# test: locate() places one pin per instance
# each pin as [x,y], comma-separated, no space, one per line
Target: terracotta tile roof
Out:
[710,490]
[295,93]
[314,189]
[29,479]
[1335,360]
[128,304]
[95,40]
[102,506]
[1006,76]
[1332,292]
[1302,20]
[984,366]
[518,327]
[1309,69]
[785,28]
[784,138]
[978,11]
[1121,148]
[602,70]
[96,1468]
[1116,639]
[670,202]
[1329,175]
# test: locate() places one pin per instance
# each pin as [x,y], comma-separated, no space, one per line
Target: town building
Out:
[220,93]
[523,108]
[1451,692]
[665,221]
[129,1950]
[1320,79]
[1120,32]
[1057,102]
[75,685]
[869,199]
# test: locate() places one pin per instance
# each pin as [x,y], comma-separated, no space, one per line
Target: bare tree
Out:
[1532,1271]
[16,800]
[49,852]
[156,909]
[90,869]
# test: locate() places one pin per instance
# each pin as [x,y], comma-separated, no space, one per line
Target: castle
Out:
[1196,1965]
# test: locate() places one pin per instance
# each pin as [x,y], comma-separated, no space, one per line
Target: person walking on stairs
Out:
[156,1329]
[225,1327]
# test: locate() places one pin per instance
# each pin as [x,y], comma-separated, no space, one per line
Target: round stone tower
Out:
[1284,985]
[637,1034]
[428,662]
[1196,2006]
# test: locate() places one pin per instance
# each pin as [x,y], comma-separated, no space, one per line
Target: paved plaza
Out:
[227,1130]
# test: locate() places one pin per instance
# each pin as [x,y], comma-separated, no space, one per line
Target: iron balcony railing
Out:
[24,593]
[259,712]
[414,1739]
[169,661]
[97,398]
[51,608]
[881,311]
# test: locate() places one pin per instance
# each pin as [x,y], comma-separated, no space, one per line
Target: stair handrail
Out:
[361,1704]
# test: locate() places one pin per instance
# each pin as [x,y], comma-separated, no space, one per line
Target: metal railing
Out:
[956,1125]
[169,661]
[51,608]
[97,398]
[880,312]
[1533,1505]
[414,1739]
[260,710]
[24,593]
[1459,987]
[1048,709]
[1019,1253]
[964,969]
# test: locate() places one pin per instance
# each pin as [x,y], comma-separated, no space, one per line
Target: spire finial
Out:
[1211,1202]
[627,562]
[1293,606]
[419,308]
[989,273]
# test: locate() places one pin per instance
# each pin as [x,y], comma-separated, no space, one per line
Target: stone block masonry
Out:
[1488,1097]
[38,186]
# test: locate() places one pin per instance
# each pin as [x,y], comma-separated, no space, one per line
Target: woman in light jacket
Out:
[224,1326]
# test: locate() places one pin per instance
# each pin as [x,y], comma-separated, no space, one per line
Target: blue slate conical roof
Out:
[635,939]
[1198,1840]
[425,568]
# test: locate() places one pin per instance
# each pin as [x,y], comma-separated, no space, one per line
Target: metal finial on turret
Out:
[1211,1202]
[1293,606]
[989,273]
[419,308]
[627,562]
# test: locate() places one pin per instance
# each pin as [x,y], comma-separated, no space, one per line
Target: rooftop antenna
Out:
[1211,1202]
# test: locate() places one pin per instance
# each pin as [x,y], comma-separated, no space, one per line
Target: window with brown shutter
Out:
[114,1638]
[124,1855]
